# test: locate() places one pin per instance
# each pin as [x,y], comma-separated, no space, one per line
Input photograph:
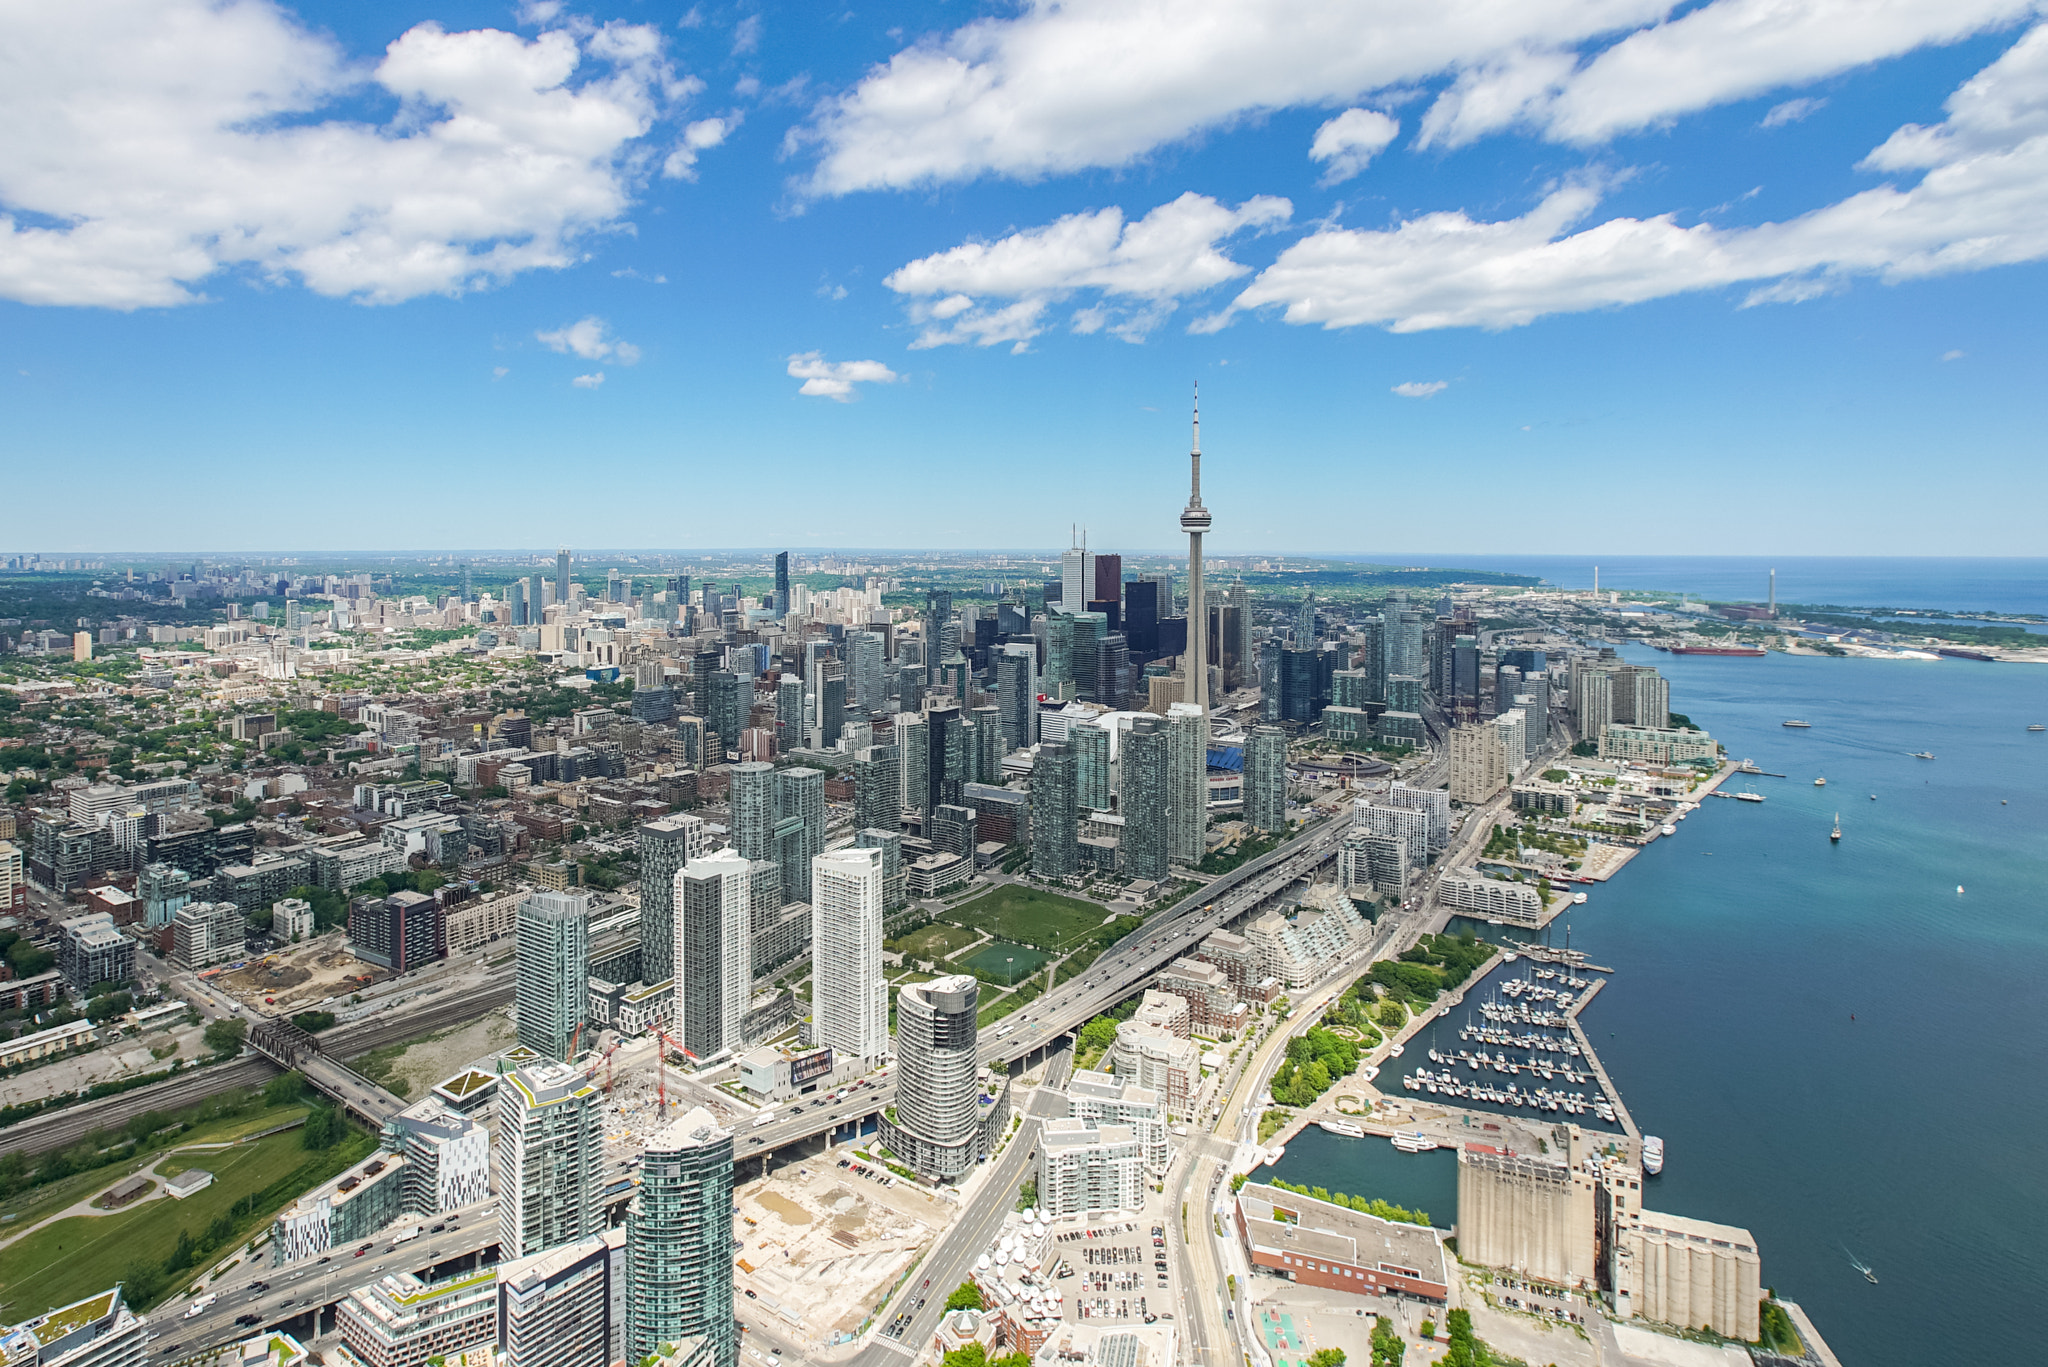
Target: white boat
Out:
[1747,796]
[1394,1052]
[1669,829]
[1509,957]
[1415,1143]
[1578,899]
[1820,783]
[1653,1154]
[1343,1127]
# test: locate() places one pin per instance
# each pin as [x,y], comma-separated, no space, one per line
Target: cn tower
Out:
[1194,520]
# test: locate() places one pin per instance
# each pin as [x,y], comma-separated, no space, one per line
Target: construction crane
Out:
[590,1073]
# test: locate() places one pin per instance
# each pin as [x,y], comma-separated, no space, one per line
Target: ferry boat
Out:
[1747,796]
[1415,1143]
[1653,1154]
[1668,829]
[1343,1127]
[1798,725]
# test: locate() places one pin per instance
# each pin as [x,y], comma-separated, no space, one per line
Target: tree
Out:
[108,1005]
[1099,1033]
[28,959]
[283,1089]
[1328,1357]
[973,1355]
[1387,1348]
[966,1296]
[225,1035]
[323,1129]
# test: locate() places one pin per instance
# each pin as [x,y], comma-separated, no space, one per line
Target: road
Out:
[302,1288]
[953,1257]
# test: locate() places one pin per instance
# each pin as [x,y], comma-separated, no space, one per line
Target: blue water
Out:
[1910,1136]
[1951,583]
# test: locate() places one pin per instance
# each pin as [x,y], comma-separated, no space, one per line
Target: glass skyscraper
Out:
[1146,798]
[1055,837]
[679,1241]
[553,976]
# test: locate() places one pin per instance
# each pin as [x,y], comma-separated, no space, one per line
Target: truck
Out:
[408,1235]
[201,1305]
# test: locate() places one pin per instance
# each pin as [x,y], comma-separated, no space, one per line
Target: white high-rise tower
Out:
[1194,520]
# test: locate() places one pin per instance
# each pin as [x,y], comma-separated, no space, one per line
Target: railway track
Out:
[62,1128]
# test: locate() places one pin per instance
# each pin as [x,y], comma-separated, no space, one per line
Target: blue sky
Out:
[1550,276]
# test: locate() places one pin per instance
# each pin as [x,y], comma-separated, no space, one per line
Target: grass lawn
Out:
[1032,917]
[33,1205]
[1011,963]
[936,941]
[76,1257]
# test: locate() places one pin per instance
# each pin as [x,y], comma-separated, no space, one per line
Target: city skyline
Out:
[1754,277]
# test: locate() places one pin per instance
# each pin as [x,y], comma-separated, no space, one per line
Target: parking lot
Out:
[1114,1273]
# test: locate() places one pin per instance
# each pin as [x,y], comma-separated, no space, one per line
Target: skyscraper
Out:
[1059,655]
[1090,744]
[1188,761]
[945,756]
[1017,696]
[666,844]
[877,787]
[1194,520]
[937,1125]
[553,974]
[1077,577]
[1146,798]
[714,954]
[789,713]
[781,583]
[1109,579]
[752,797]
[864,661]
[727,712]
[679,1241]
[562,575]
[1265,779]
[938,615]
[550,1158]
[1055,837]
[799,827]
[849,994]
[515,602]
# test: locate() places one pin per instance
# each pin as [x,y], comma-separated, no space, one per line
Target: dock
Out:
[1592,1056]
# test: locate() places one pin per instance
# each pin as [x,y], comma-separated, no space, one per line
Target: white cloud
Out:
[823,379]
[1716,53]
[1350,141]
[1063,85]
[1067,84]
[1953,355]
[1792,111]
[590,339]
[499,372]
[1981,202]
[1421,389]
[746,35]
[1143,266]
[173,139]
[588,381]
[697,137]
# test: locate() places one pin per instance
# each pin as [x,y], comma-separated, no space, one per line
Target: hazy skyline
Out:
[1530,277]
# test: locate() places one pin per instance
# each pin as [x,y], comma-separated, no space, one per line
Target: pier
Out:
[1592,1056]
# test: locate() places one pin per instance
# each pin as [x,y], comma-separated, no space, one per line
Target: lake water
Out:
[1909,1136]
[1951,583]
